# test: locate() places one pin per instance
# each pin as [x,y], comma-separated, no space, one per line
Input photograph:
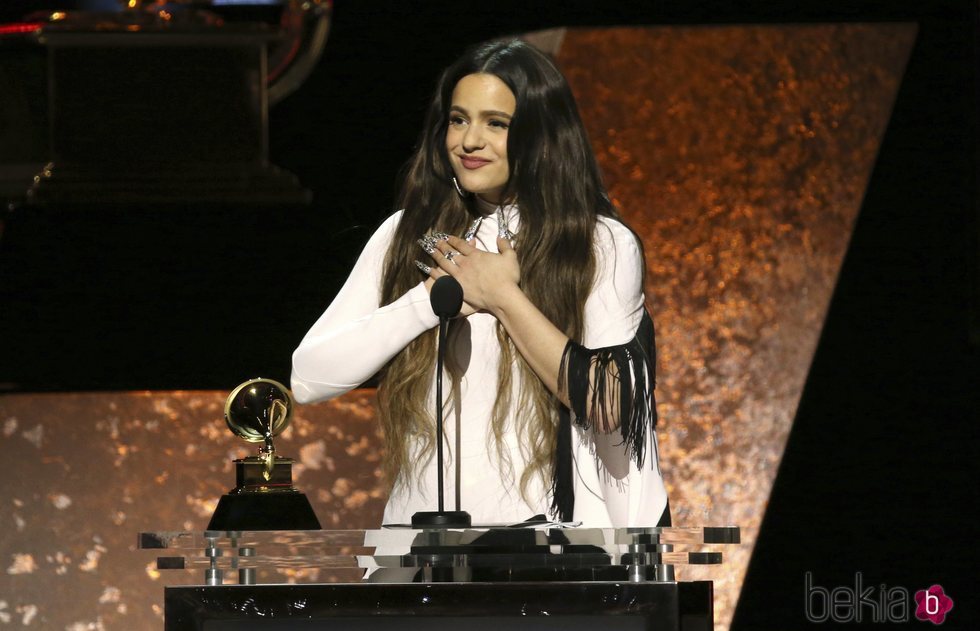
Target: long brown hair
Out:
[556,181]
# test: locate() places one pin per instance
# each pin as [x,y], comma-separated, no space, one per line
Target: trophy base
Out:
[264,511]
[264,503]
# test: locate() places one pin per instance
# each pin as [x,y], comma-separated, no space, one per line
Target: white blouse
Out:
[356,336]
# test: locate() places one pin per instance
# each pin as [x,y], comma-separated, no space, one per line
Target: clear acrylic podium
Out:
[543,577]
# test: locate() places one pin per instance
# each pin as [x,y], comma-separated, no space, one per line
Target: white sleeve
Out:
[356,336]
[614,308]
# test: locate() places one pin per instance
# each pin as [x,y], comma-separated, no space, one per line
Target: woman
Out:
[551,360]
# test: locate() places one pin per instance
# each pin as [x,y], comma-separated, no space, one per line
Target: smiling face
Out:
[476,138]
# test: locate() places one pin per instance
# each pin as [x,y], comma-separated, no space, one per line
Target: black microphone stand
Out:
[446,297]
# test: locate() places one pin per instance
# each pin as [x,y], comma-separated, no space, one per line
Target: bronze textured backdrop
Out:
[740,154]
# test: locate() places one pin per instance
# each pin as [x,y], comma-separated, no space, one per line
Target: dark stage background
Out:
[878,474]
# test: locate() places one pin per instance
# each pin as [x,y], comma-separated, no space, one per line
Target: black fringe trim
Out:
[584,370]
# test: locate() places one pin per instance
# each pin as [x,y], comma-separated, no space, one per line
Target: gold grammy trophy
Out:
[264,497]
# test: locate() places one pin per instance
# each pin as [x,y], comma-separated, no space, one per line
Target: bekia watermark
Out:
[873,603]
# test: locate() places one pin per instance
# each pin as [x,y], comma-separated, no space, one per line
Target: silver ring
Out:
[450,254]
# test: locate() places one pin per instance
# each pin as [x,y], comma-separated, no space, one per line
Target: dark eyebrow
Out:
[483,113]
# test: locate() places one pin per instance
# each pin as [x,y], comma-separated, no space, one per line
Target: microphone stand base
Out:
[442,519]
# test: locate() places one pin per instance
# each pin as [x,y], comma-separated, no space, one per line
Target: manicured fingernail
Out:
[423,267]
[503,231]
[428,244]
[471,232]
[442,236]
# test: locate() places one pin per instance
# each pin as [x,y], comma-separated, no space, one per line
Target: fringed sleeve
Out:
[591,378]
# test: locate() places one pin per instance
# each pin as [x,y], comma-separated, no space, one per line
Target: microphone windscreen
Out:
[446,297]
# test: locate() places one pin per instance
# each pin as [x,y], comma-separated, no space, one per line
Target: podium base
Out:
[264,511]
[442,519]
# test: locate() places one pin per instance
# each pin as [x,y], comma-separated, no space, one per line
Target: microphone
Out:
[446,298]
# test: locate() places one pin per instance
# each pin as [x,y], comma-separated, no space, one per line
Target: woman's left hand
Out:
[485,277]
